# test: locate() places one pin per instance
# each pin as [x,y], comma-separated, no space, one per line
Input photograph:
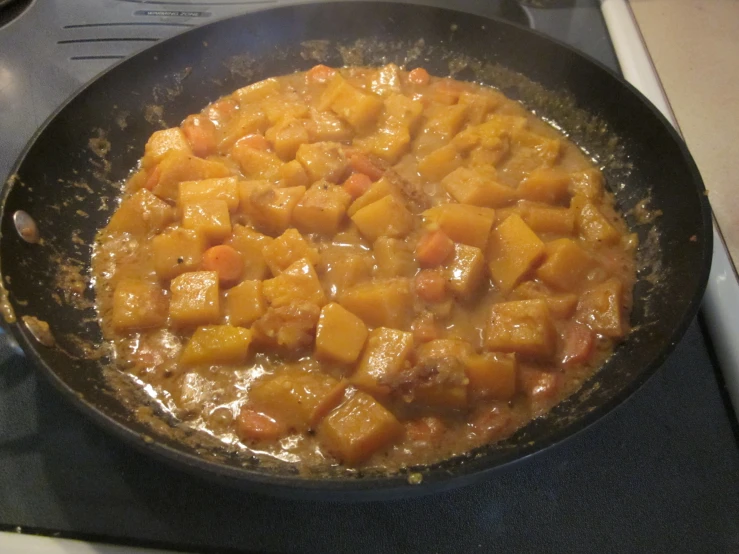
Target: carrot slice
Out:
[255,141]
[430,285]
[419,76]
[577,343]
[362,164]
[200,133]
[253,425]
[434,249]
[320,73]
[357,184]
[226,261]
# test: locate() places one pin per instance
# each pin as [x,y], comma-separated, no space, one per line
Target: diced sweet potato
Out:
[297,399]
[479,104]
[466,271]
[254,162]
[441,381]
[194,192]
[322,209]
[386,144]
[462,223]
[194,298]
[548,219]
[177,167]
[176,251]
[286,137]
[441,125]
[281,109]
[359,109]
[601,308]
[561,306]
[250,244]
[381,303]
[245,303]
[217,344]
[325,126]
[209,217]
[141,214]
[492,375]
[323,160]
[384,356]
[394,258]
[342,267]
[162,142]
[378,190]
[257,92]
[434,248]
[138,304]
[287,249]
[296,283]
[247,121]
[358,428]
[293,174]
[387,217]
[270,209]
[439,163]
[252,425]
[513,250]
[470,187]
[545,184]
[588,183]
[592,225]
[340,336]
[566,265]
[521,326]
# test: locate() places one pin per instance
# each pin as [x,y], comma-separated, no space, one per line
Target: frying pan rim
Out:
[394,485]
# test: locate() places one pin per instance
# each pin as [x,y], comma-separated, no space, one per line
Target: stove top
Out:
[660,473]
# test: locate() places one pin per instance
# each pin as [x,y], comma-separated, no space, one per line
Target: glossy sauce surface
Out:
[364,266]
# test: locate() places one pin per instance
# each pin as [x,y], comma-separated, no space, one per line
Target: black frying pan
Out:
[66,181]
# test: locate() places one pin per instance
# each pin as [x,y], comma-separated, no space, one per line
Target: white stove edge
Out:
[720,305]
[721,301]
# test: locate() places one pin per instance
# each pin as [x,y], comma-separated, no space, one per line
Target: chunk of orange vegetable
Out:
[226,261]
[430,285]
[357,184]
[200,133]
[419,76]
[361,163]
[577,343]
[256,426]
[434,249]
[320,73]
[340,335]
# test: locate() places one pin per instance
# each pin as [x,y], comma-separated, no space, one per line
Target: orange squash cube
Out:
[358,428]
[216,345]
[387,217]
[195,299]
[269,208]
[466,271]
[385,355]
[357,108]
[292,174]
[177,251]
[177,166]
[545,184]
[250,244]
[548,219]
[561,305]
[462,223]
[343,267]
[439,163]
[161,142]
[492,375]
[209,217]
[592,225]
[322,209]
[287,249]
[140,214]
[467,186]
[601,308]
[256,163]
[381,303]
[521,326]
[340,336]
[566,265]
[513,250]
[323,161]
[296,283]
[245,303]
[194,192]
[138,304]
[394,258]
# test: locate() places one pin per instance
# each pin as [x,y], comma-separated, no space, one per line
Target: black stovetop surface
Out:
[659,474]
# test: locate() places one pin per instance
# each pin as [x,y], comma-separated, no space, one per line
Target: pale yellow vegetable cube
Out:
[323,160]
[216,345]
[194,192]
[561,305]
[513,250]
[280,109]
[257,91]
[547,185]
[378,190]
[269,208]
[394,258]
[592,225]
[466,271]
[387,217]
[588,183]
[209,217]
[442,123]
[381,303]
[340,336]
[245,303]
[293,174]
[287,136]
[342,267]
[566,265]
[162,142]
[439,163]
[385,355]
[249,120]
[602,308]
[322,209]
[141,214]
[176,251]
[358,428]
[521,326]
[479,104]
[138,304]
[548,219]
[256,163]
[250,244]
[388,144]
[492,375]
[359,109]
[462,223]
[296,283]
[195,298]
[287,249]
[467,186]
[177,166]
